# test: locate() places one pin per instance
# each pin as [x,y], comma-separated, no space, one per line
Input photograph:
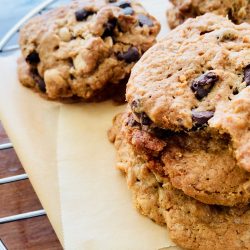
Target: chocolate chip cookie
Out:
[190,223]
[197,78]
[201,163]
[236,10]
[84,49]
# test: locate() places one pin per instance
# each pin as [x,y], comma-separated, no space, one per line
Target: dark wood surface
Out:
[9,163]
[19,197]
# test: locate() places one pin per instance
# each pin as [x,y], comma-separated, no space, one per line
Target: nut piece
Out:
[65,34]
[55,83]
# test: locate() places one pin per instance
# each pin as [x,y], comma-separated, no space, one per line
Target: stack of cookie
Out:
[184,140]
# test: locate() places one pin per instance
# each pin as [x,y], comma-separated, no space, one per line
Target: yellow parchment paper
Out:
[65,151]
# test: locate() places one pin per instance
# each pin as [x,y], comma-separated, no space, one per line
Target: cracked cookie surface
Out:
[85,48]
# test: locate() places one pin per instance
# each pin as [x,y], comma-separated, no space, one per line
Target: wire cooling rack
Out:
[5,47]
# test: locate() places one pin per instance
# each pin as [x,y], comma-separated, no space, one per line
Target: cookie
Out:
[201,163]
[236,10]
[183,81]
[190,223]
[84,49]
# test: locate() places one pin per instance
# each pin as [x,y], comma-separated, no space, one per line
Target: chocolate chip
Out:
[128,11]
[123,4]
[144,20]
[246,78]
[82,14]
[132,55]
[235,91]
[201,118]
[41,85]
[112,1]
[162,133]
[203,84]
[33,58]
[38,79]
[109,28]
[205,32]
[231,16]
[144,119]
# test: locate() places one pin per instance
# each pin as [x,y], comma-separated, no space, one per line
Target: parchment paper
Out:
[65,151]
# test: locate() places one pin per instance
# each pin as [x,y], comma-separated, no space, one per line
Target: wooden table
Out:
[19,197]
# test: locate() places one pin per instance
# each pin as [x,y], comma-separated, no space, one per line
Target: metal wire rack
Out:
[4,47]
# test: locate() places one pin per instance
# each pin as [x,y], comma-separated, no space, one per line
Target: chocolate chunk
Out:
[144,119]
[201,118]
[82,14]
[38,80]
[123,4]
[203,84]
[231,16]
[128,11]
[132,55]
[33,58]
[144,20]
[235,91]
[205,32]
[162,133]
[112,1]
[246,77]
[41,84]
[109,28]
